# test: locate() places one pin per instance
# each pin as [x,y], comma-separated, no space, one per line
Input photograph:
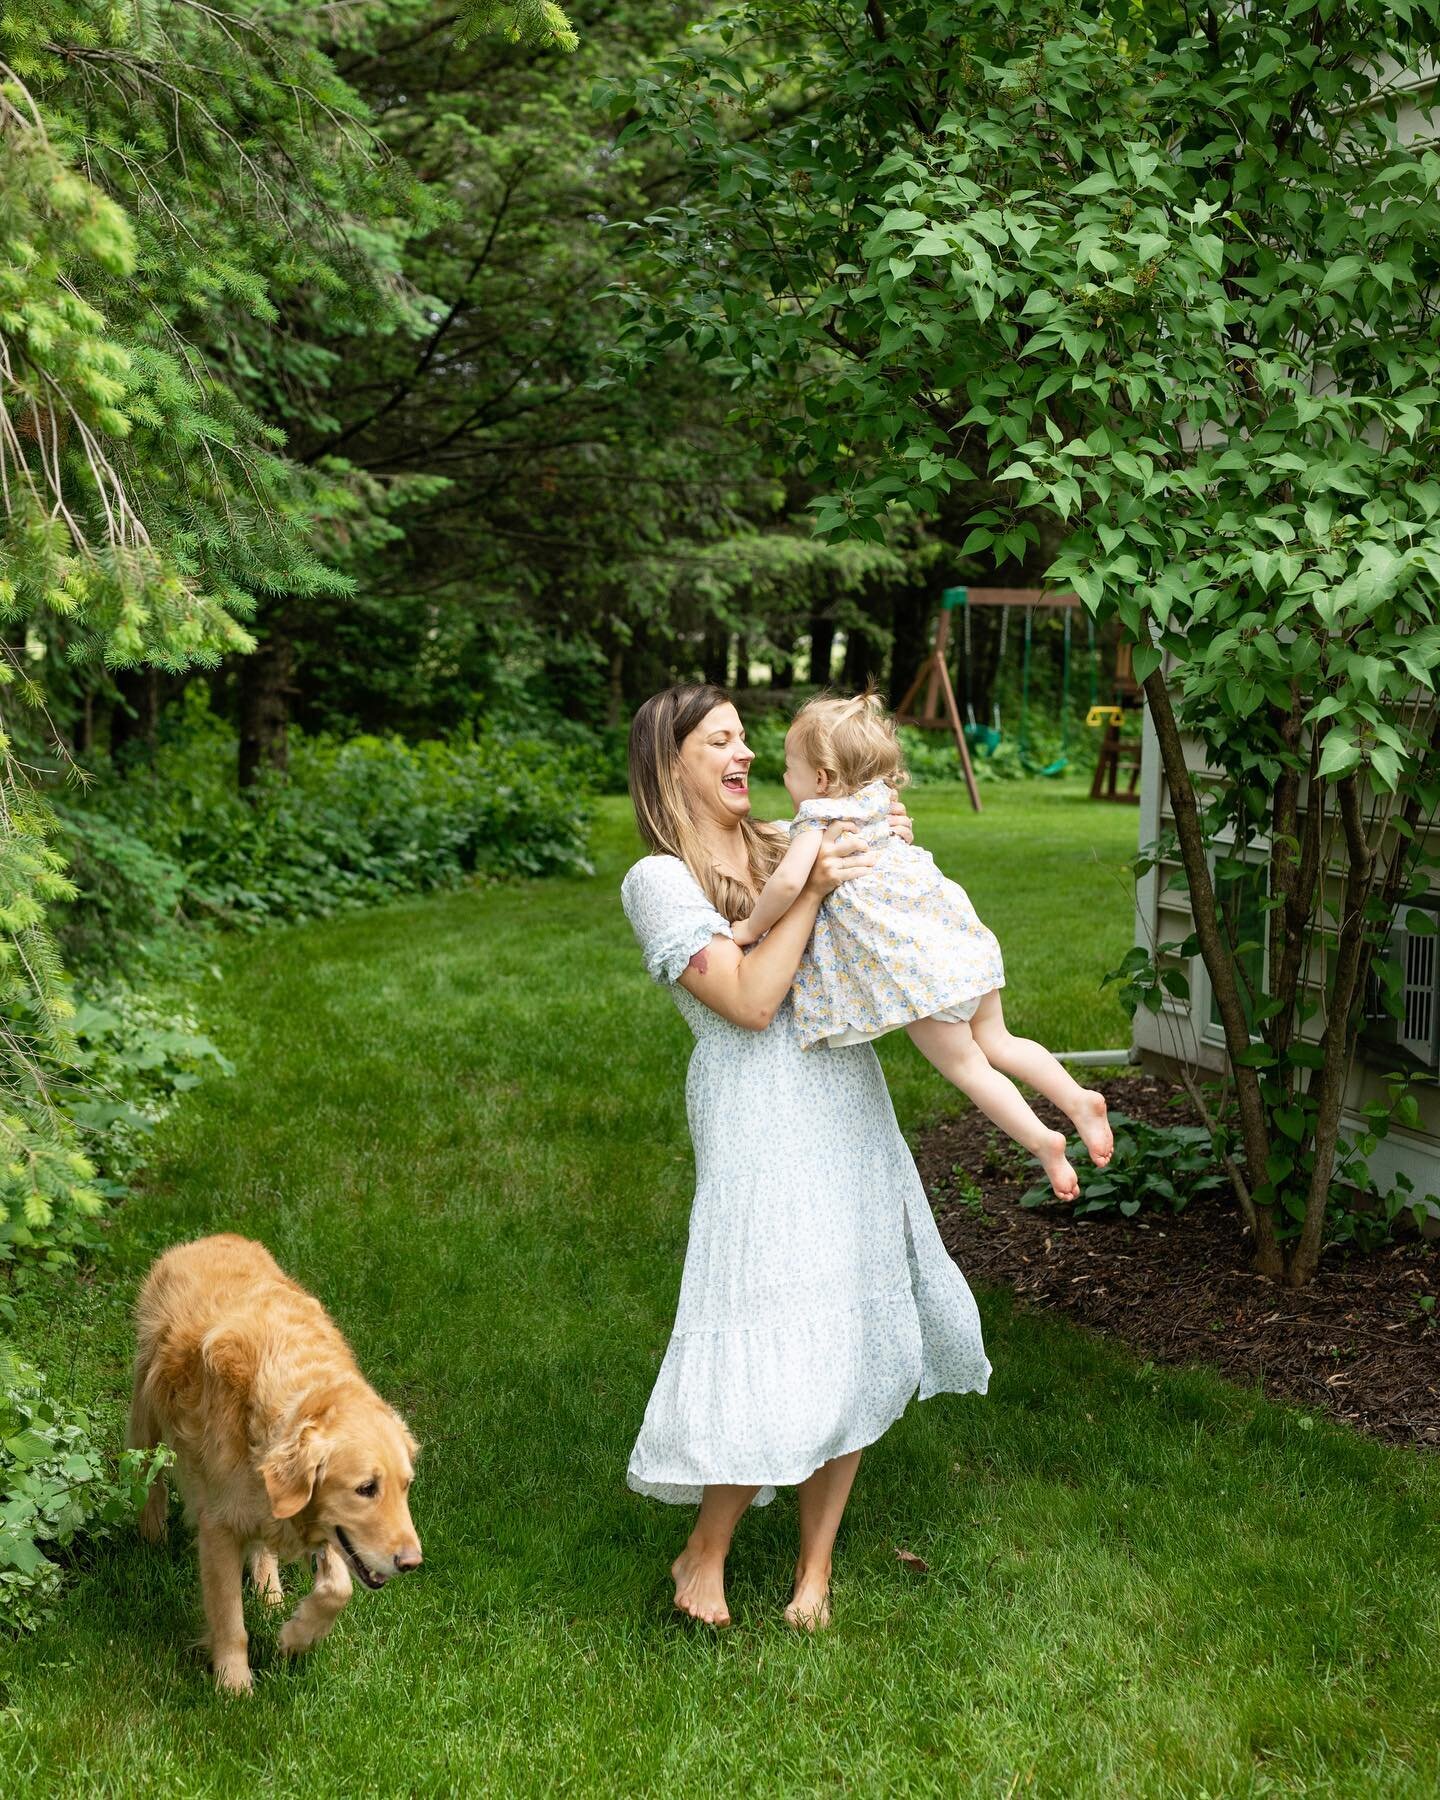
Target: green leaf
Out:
[1342,273]
[26,1448]
[1145,660]
[1210,250]
[1290,1120]
[1339,754]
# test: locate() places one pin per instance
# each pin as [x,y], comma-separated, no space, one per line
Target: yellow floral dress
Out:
[899,943]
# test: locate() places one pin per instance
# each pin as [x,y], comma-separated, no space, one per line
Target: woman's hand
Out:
[900,825]
[742,934]
[842,857]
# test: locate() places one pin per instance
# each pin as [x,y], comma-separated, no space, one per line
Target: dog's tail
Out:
[145,1434]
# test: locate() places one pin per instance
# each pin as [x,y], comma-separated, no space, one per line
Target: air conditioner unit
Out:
[1413,963]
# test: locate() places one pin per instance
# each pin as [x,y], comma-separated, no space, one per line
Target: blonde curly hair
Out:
[853,741]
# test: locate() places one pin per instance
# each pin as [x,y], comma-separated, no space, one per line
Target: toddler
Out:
[901,945]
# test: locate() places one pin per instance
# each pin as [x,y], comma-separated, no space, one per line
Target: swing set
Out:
[934,676]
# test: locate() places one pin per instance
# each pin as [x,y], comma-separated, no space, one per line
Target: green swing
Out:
[983,738]
[1062,761]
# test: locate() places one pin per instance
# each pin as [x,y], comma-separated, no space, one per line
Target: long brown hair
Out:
[662,810]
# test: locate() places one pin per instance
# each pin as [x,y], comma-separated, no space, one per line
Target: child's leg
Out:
[951,1047]
[1032,1062]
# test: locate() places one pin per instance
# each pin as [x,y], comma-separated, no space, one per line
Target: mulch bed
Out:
[1177,1289]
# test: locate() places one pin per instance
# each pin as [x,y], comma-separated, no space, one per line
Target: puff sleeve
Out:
[669,915]
[867,807]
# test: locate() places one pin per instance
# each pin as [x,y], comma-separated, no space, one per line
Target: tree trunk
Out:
[1214,951]
[782,661]
[615,688]
[822,647]
[715,656]
[1335,1040]
[136,711]
[742,664]
[864,655]
[913,636]
[1370,899]
[265,707]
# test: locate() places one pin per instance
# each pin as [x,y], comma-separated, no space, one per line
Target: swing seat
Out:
[983,738]
[1031,767]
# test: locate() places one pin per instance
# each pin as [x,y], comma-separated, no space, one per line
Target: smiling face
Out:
[715,767]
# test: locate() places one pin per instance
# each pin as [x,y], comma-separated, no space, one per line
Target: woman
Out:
[816,1295]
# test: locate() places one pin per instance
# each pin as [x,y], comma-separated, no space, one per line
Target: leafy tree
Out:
[184,192]
[1160,278]
[537,22]
[575,522]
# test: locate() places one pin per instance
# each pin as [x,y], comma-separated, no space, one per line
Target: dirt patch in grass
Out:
[1177,1288]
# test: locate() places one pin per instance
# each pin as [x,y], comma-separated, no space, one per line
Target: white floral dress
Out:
[817,1296]
[899,943]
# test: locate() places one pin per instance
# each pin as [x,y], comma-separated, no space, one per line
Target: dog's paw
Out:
[232,1676]
[295,1639]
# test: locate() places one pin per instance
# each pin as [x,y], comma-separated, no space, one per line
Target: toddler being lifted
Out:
[902,945]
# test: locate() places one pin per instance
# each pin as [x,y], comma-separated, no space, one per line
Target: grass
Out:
[461,1122]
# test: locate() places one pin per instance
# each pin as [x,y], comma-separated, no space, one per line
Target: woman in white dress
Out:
[816,1296]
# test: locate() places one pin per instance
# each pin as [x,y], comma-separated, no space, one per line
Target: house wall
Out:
[1181,1033]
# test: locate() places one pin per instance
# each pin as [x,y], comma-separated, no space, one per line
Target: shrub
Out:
[54,1483]
[72,1149]
[1169,1166]
[135,1054]
[128,901]
[351,824]
[1152,1166]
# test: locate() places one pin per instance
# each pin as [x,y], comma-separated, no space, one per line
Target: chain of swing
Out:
[986,738]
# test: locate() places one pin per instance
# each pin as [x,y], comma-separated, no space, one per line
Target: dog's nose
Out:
[408,1558]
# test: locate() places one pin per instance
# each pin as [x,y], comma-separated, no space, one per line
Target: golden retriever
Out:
[281,1447]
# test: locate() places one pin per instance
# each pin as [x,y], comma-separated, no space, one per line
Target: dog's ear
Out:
[292,1469]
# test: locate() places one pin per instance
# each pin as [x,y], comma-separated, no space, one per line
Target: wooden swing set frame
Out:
[938,710]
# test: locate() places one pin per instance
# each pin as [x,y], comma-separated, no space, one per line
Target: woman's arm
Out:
[747,990]
[782,890]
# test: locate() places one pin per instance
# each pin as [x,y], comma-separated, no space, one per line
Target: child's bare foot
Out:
[1055,1163]
[809,1608]
[1091,1120]
[700,1586]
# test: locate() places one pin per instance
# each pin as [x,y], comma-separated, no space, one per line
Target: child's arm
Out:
[783,888]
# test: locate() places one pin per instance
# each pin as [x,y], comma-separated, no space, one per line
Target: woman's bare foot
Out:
[1059,1173]
[809,1608]
[700,1586]
[1091,1120]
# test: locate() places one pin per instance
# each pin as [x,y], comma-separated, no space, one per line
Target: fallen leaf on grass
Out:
[912,1561]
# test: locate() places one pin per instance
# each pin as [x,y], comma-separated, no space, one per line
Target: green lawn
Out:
[461,1122]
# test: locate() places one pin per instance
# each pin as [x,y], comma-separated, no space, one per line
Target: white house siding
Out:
[1181,1031]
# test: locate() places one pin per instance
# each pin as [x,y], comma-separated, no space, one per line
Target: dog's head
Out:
[348,1469]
